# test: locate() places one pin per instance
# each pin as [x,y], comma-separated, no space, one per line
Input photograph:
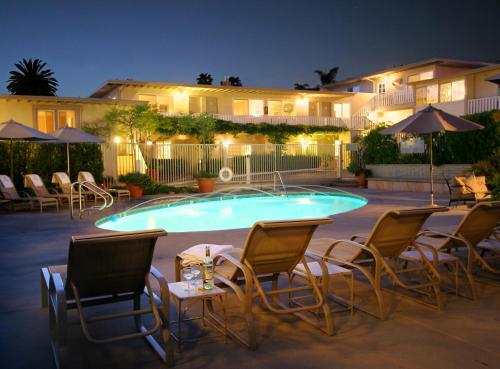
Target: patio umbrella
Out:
[15,131]
[69,135]
[430,120]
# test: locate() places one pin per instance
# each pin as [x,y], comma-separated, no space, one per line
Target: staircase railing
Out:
[79,189]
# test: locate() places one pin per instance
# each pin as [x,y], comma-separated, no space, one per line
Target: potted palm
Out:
[205,180]
[359,171]
[136,182]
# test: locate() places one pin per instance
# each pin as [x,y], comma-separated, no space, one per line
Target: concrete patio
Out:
[465,335]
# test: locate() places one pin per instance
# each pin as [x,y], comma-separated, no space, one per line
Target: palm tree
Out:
[32,78]
[204,79]
[327,77]
[231,81]
[304,86]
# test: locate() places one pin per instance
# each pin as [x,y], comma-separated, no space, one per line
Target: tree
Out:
[204,79]
[327,77]
[232,81]
[304,86]
[32,78]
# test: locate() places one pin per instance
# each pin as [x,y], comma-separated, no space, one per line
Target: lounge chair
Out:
[377,255]
[64,184]
[458,192]
[271,249]
[88,177]
[9,192]
[471,233]
[34,182]
[103,269]
[471,188]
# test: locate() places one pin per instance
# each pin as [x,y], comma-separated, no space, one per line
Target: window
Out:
[452,91]
[422,76]
[240,107]
[381,88]
[211,105]
[256,108]
[427,95]
[165,103]
[45,121]
[354,89]
[151,99]
[66,118]
[326,109]
[342,110]
[274,107]
[194,104]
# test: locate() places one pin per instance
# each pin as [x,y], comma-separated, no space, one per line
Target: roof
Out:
[487,68]
[441,61]
[65,99]
[110,85]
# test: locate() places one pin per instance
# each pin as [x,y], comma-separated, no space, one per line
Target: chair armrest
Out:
[230,259]
[349,242]
[358,236]
[54,191]
[312,256]
[163,284]
[57,305]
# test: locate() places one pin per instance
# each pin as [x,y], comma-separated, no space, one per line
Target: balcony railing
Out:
[282,119]
[483,104]
[399,97]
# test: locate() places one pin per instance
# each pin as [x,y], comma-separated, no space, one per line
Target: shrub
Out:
[136,179]
[156,189]
[205,174]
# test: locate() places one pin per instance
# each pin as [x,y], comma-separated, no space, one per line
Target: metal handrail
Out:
[95,190]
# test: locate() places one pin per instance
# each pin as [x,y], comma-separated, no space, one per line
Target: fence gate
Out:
[177,163]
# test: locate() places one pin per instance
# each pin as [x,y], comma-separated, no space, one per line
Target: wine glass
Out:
[196,273]
[188,275]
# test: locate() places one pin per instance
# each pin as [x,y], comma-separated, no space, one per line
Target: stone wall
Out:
[416,171]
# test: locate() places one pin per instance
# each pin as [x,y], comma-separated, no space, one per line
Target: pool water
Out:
[231,213]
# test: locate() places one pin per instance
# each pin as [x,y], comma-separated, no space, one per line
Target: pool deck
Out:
[465,335]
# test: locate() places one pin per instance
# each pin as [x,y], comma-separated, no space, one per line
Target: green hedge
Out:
[45,159]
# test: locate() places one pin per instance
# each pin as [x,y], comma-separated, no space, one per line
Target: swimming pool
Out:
[233,212]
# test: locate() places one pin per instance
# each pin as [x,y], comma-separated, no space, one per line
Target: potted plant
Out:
[359,171]
[136,182]
[205,180]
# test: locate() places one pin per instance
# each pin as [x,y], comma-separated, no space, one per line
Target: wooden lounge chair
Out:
[34,182]
[377,255]
[9,192]
[271,249]
[458,192]
[471,188]
[64,184]
[88,177]
[103,269]
[476,226]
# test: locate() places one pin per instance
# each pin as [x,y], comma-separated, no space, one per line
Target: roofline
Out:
[407,66]
[112,84]
[461,73]
[69,99]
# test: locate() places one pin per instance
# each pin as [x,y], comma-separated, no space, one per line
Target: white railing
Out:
[483,104]
[399,97]
[281,119]
[177,163]
[359,120]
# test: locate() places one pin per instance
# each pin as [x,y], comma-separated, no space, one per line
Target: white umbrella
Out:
[69,135]
[15,131]
[430,120]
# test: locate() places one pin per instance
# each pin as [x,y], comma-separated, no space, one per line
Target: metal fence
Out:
[177,163]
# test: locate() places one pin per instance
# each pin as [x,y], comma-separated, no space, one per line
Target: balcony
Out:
[402,96]
[282,119]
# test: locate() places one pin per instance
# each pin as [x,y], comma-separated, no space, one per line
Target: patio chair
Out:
[64,184]
[476,227]
[471,188]
[34,182]
[104,269]
[377,255]
[458,192]
[271,249]
[88,177]
[9,192]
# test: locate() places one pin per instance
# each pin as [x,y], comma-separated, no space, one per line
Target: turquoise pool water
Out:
[231,213]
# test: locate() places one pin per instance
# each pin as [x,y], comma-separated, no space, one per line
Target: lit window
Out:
[381,88]
[45,121]
[165,103]
[66,118]
[194,104]
[432,94]
[151,99]
[211,105]
[256,108]
[240,107]
[458,90]
[342,110]
[326,109]
[445,92]
[274,107]
[421,76]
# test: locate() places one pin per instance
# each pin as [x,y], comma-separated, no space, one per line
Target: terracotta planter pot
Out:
[154,174]
[361,180]
[206,184]
[135,191]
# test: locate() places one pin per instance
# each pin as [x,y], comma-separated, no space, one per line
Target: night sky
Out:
[272,43]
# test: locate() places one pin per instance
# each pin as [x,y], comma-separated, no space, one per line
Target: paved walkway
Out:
[465,335]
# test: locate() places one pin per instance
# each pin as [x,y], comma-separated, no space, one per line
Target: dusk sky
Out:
[272,43]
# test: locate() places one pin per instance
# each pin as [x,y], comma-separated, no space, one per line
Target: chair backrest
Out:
[110,263]
[478,223]
[86,177]
[63,181]
[277,246]
[395,230]
[7,188]
[34,182]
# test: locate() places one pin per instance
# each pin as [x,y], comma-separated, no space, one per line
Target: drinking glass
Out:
[196,273]
[188,275]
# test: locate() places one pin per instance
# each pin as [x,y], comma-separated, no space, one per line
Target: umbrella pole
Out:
[11,160]
[67,156]
[432,170]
